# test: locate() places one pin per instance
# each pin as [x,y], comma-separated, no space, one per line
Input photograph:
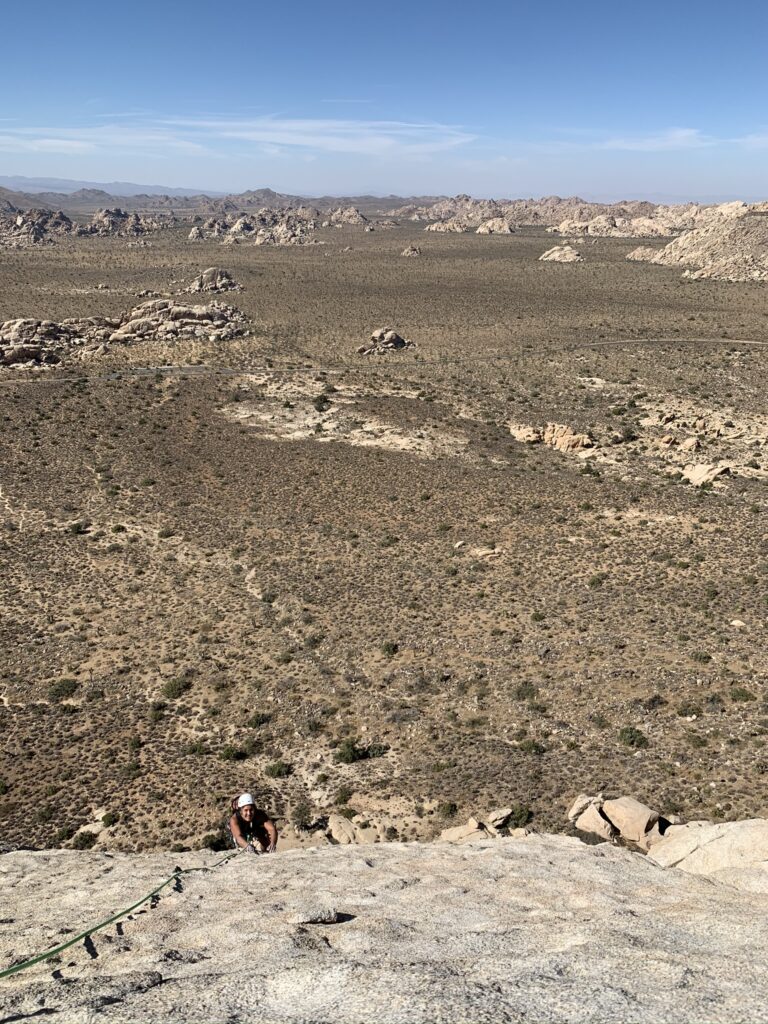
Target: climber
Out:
[250,828]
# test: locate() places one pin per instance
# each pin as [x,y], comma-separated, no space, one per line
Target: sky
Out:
[666,100]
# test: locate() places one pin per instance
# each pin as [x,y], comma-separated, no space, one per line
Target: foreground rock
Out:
[45,341]
[540,928]
[384,340]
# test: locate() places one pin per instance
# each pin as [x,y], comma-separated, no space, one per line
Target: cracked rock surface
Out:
[535,928]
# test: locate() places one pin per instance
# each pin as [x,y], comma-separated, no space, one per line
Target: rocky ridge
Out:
[729,248]
[28,341]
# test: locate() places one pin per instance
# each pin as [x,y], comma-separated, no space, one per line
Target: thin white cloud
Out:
[671,140]
[331,135]
[271,135]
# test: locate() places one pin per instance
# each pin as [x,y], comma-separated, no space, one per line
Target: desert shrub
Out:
[177,687]
[278,770]
[79,527]
[84,840]
[740,695]
[64,834]
[688,708]
[196,747]
[343,795]
[257,719]
[597,580]
[538,616]
[447,809]
[301,814]
[346,812]
[349,751]
[520,816]
[389,648]
[62,689]
[632,737]
[165,532]
[530,746]
[4,787]
[391,834]
[230,753]
[216,841]
[525,691]
[110,818]
[701,656]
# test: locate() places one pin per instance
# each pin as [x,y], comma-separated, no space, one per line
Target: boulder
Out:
[472,831]
[735,852]
[702,473]
[383,340]
[340,830]
[629,817]
[561,254]
[214,279]
[411,250]
[495,226]
[592,821]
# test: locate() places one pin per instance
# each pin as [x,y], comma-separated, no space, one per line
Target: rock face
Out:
[561,254]
[730,243]
[735,852]
[384,340]
[127,225]
[540,928]
[214,279]
[44,341]
[495,226]
[34,227]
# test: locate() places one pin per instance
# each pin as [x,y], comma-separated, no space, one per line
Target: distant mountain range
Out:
[65,186]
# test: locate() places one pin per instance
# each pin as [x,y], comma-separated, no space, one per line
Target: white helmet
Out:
[244,800]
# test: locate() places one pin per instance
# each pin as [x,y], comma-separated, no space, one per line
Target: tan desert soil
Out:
[357,549]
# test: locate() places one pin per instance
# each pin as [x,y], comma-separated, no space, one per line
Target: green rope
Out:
[115,917]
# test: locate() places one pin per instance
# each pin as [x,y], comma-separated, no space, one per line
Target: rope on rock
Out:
[115,917]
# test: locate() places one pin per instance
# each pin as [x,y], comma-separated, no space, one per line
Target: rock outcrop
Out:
[214,279]
[384,340]
[540,928]
[34,227]
[495,226]
[125,225]
[561,254]
[731,246]
[411,250]
[45,341]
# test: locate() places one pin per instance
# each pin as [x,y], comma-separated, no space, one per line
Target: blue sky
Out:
[506,99]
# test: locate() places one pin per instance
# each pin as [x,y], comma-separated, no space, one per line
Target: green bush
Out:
[447,809]
[4,787]
[257,719]
[301,814]
[349,751]
[532,747]
[279,770]
[84,840]
[230,753]
[632,737]
[343,795]
[110,818]
[519,817]
[175,688]
[525,691]
[63,689]
[740,695]
[389,648]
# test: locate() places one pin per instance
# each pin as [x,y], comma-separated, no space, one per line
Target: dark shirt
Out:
[251,830]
